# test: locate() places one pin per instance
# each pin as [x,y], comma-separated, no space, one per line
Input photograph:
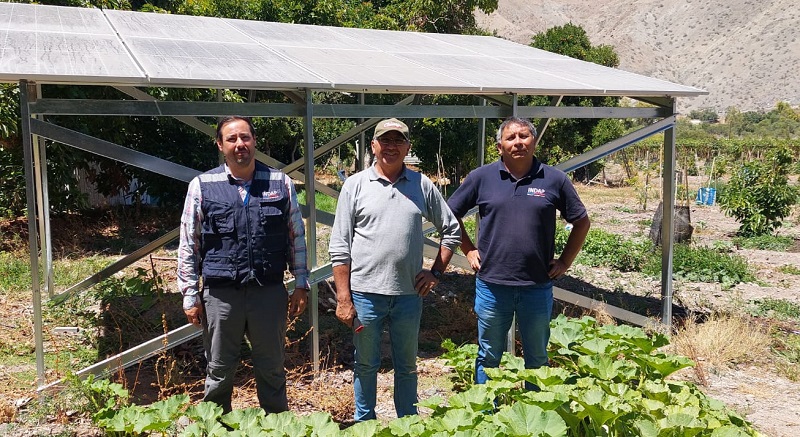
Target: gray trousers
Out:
[260,313]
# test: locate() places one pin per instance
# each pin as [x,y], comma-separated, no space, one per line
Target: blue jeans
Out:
[495,306]
[402,315]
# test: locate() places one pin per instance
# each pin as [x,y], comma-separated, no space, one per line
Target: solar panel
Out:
[58,44]
[81,45]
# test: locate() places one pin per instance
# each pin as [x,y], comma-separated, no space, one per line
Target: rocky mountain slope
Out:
[745,53]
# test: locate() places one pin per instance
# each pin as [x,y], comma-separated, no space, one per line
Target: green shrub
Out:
[775,308]
[603,248]
[764,242]
[759,195]
[703,264]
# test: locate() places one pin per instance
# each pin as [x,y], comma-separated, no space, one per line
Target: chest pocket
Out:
[222,222]
[271,213]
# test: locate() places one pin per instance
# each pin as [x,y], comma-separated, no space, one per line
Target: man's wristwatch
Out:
[436,274]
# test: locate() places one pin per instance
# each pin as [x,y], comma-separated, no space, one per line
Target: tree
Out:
[706,115]
[735,121]
[759,195]
[566,138]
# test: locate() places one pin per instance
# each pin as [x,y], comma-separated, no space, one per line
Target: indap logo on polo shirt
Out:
[536,192]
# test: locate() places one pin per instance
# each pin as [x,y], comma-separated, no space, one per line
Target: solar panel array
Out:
[53,44]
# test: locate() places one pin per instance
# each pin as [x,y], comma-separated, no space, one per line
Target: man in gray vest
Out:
[376,252]
[241,226]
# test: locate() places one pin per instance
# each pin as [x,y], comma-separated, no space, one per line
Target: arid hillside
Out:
[745,53]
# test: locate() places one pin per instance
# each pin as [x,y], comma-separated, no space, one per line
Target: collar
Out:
[535,170]
[238,181]
[374,176]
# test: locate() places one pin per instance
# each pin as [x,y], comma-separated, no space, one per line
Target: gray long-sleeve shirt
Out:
[378,229]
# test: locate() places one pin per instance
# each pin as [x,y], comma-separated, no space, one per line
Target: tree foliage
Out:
[759,195]
[566,138]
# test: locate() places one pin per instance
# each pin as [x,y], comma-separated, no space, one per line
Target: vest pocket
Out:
[269,213]
[222,223]
[219,268]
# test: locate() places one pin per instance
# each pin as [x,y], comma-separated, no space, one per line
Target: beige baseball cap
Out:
[389,125]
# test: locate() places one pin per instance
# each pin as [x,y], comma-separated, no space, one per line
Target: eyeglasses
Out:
[397,142]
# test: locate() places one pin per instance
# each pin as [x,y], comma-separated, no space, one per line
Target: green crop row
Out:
[605,381]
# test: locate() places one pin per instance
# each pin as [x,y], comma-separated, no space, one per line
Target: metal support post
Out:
[311,227]
[27,91]
[667,224]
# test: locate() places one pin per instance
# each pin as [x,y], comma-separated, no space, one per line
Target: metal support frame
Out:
[311,229]
[27,92]
[303,106]
[668,224]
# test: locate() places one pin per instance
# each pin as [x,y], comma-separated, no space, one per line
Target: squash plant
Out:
[604,381]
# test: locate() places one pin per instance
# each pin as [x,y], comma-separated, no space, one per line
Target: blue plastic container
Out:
[706,196]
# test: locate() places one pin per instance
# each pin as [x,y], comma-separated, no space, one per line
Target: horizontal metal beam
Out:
[112,151]
[590,112]
[569,297]
[215,109]
[615,145]
[164,108]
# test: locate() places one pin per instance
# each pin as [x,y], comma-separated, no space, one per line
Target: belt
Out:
[271,279]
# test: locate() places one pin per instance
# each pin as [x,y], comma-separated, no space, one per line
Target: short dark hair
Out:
[515,120]
[231,119]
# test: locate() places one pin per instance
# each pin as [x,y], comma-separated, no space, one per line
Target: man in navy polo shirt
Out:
[517,199]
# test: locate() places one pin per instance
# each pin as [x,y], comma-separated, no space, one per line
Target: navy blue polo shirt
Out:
[516,241]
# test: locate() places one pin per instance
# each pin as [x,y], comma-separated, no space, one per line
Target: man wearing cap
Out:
[376,251]
[517,199]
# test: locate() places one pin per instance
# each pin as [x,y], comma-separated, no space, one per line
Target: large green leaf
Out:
[529,420]
[321,424]
[410,426]
[248,418]
[664,365]
[364,429]
[459,420]
[284,422]
[546,376]
[477,398]
[646,427]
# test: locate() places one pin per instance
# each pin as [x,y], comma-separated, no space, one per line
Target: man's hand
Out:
[424,282]
[345,311]
[193,314]
[474,259]
[557,268]
[297,301]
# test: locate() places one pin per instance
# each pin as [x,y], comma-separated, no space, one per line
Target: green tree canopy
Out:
[566,138]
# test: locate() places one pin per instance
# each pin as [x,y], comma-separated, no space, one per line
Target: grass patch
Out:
[721,340]
[603,248]
[787,347]
[323,202]
[775,308]
[764,242]
[789,269]
[703,264]
[15,272]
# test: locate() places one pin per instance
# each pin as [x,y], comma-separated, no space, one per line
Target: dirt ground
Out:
[768,400]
